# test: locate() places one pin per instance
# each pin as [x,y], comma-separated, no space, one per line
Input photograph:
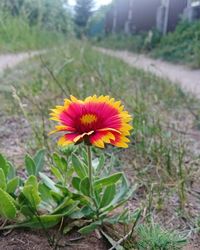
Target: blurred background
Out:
[156,26]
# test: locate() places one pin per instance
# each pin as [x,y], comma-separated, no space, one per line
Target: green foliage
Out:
[8,179]
[155,238]
[182,45]
[7,206]
[35,165]
[41,202]
[48,14]
[96,23]
[17,35]
[83,11]
[142,42]
[39,160]
[79,167]
[121,41]
[31,25]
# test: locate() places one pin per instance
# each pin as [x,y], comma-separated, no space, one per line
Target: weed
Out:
[156,238]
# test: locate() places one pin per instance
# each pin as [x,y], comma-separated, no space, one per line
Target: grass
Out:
[154,237]
[16,35]
[120,42]
[161,158]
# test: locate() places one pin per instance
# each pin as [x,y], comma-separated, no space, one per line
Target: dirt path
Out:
[187,78]
[11,60]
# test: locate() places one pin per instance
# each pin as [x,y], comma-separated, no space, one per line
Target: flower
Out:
[95,120]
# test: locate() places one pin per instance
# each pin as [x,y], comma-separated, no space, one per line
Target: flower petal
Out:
[61,128]
[99,119]
[100,137]
[67,139]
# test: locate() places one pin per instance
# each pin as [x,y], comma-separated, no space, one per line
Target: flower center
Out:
[88,119]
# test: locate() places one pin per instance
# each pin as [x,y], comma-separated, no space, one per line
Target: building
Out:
[169,14]
[133,16]
[193,10]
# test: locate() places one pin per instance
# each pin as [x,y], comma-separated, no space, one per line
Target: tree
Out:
[83,10]
[96,23]
[12,6]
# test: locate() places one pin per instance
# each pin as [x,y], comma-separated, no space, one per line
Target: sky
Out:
[98,2]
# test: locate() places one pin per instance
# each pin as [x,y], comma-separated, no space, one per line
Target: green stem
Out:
[90,169]
[90,175]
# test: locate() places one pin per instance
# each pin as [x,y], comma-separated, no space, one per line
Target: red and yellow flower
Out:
[95,120]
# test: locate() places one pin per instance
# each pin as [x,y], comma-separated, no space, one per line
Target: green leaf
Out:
[66,202]
[39,160]
[11,171]
[67,207]
[64,189]
[58,197]
[98,196]
[70,209]
[30,191]
[27,210]
[12,185]
[30,165]
[85,186]
[7,207]
[39,222]
[90,228]
[79,167]
[55,171]
[49,183]
[108,196]
[46,207]
[3,184]
[101,164]
[32,181]
[85,156]
[2,161]
[4,165]
[124,192]
[108,181]
[45,193]
[76,183]
[60,163]
[85,211]
[32,195]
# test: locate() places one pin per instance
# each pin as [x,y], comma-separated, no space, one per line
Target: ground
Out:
[14,131]
[11,60]
[188,79]
[37,240]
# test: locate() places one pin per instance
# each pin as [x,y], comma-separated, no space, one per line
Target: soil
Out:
[14,133]
[37,240]
[187,78]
